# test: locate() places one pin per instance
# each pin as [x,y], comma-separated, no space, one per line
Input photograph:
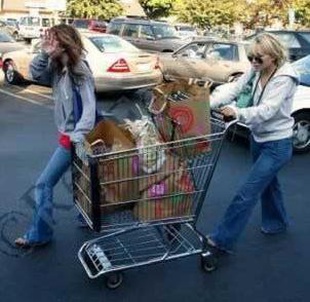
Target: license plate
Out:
[143,67]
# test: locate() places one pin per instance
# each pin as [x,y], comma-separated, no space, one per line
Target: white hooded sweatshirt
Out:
[270,117]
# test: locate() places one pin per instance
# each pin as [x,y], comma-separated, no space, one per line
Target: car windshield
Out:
[165,31]
[4,37]
[306,36]
[30,21]
[112,44]
[303,67]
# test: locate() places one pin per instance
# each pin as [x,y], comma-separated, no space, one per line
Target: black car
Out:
[154,36]
[297,42]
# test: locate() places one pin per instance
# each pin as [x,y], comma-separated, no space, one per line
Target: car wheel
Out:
[10,73]
[15,36]
[301,132]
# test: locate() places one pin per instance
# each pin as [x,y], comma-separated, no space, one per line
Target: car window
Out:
[114,28]
[46,22]
[80,24]
[146,32]
[193,50]
[164,31]
[131,30]
[306,36]
[222,51]
[30,21]
[112,44]
[288,39]
[303,68]
[4,37]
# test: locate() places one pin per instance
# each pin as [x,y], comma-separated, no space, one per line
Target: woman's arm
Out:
[227,93]
[40,69]
[88,117]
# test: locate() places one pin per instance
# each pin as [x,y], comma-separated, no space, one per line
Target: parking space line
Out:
[25,99]
[40,94]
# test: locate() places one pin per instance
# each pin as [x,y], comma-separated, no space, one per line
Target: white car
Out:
[116,64]
[301,106]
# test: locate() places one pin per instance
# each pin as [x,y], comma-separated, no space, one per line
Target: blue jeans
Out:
[41,229]
[262,182]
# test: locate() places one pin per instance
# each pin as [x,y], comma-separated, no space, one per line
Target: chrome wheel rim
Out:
[301,134]
[10,73]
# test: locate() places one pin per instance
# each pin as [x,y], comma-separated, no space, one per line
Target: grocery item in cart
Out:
[181,110]
[151,154]
[116,173]
[167,193]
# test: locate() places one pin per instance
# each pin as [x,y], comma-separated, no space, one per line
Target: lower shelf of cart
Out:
[138,246]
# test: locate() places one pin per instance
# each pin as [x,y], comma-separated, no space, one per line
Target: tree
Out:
[208,13]
[155,9]
[302,12]
[100,9]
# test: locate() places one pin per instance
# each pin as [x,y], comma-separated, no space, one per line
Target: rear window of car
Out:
[4,37]
[80,23]
[112,44]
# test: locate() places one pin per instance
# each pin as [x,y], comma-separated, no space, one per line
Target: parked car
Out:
[297,42]
[7,43]
[116,64]
[149,35]
[185,30]
[300,110]
[33,27]
[206,59]
[11,27]
[90,24]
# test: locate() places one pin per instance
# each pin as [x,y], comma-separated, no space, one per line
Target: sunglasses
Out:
[258,59]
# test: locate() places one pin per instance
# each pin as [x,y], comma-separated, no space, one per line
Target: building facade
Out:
[18,8]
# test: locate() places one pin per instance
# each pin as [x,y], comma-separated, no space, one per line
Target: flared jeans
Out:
[41,228]
[261,183]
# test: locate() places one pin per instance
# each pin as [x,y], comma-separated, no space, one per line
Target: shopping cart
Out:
[145,218]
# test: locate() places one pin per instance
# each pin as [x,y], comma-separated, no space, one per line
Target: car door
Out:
[186,62]
[146,39]
[221,61]
[26,57]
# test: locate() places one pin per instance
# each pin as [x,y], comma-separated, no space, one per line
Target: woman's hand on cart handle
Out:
[225,115]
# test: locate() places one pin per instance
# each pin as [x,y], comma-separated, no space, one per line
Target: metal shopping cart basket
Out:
[144,218]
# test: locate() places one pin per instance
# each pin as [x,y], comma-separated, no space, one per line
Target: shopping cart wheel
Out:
[209,261]
[114,280]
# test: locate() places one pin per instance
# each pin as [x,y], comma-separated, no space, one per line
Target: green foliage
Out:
[208,13]
[302,12]
[155,9]
[99,9]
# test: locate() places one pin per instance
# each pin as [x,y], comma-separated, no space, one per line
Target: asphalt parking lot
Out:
[264,268]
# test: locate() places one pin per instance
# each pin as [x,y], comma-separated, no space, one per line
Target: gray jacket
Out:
[270,119]
[41,70]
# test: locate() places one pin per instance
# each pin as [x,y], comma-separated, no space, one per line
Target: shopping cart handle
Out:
[229,120]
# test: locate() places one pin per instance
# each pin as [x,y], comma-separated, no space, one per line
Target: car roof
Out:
[89,34]
[138,21]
